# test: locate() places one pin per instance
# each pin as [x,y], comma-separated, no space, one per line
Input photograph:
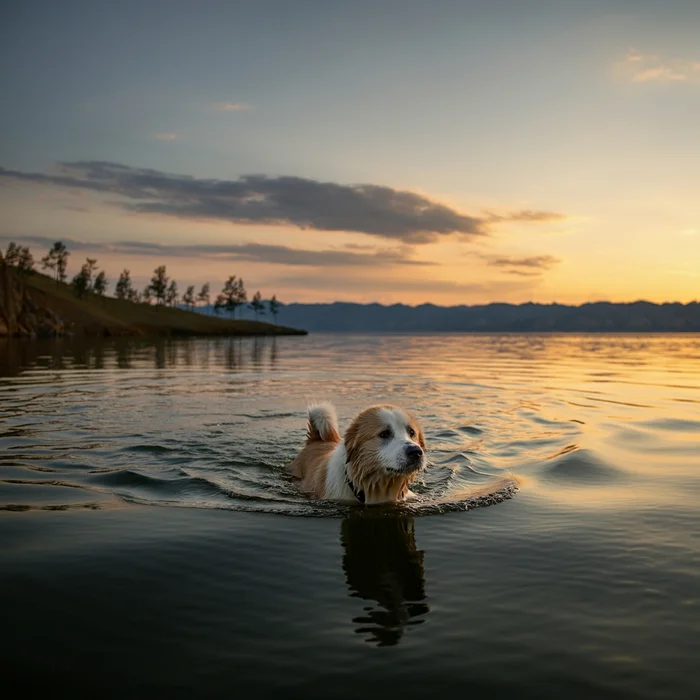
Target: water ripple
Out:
[212,423]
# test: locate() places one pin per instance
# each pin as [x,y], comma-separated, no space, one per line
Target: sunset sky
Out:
[456,152]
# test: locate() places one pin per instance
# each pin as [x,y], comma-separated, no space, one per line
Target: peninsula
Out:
[35,305]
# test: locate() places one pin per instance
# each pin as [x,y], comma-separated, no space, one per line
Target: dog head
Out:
[385,450]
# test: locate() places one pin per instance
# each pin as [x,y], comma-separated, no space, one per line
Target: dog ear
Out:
[351,441]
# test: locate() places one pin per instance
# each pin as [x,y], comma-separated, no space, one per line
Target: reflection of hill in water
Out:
[127,353]
[382,565]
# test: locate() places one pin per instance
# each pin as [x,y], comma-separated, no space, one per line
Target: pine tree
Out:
[171,294]
[234,294]
[257,305]
[123,288]
[61,256]
[48,262]
[81,282]
[92,266]
[188,297]
[25,261]
[203,295]
[159,284]
[99,286]
[274,306]
[12,254]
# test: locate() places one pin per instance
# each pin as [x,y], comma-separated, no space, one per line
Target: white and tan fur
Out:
[381,453]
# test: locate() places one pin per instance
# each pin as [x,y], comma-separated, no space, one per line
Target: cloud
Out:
[167,136]
[529,266]
[248,252]
[75,207]
[275,201]
[522,273]
[650,68]
[525,215]
[231,106]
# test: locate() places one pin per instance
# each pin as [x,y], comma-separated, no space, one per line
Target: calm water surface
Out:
[151,536]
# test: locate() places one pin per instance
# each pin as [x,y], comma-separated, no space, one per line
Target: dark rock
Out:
[20,313]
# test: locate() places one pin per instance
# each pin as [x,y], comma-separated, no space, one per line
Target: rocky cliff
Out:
[20,314]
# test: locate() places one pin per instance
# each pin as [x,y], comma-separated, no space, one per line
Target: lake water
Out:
[153,545]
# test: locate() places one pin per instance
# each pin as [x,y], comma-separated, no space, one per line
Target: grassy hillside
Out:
[108,316]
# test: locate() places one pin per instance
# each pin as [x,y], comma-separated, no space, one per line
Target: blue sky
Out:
[567,131]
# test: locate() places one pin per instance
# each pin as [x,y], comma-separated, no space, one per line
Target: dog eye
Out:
[411,433]
[385,434]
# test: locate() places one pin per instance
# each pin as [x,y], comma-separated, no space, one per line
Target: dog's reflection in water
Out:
[382,565]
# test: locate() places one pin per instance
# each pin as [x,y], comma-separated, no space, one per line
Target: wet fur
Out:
[371,463]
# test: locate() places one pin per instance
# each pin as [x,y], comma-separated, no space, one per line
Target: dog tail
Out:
[323,424]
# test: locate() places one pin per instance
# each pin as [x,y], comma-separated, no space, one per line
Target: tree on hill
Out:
[257,305]
[20,257]
[92,266]
[25,263]
[274,306]
[159,284]
[12,254]
[82,283]
[57,260]
[48,262]
[234,294]
[99,286]
[123,288]
[171,294]
[188,297]
[61,253]
[203,295]
[242,293]
[219,304]
[147,295]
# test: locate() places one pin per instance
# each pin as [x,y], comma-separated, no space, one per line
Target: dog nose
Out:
[413,451]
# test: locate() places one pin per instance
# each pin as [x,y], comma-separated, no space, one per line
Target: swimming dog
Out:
[375,462]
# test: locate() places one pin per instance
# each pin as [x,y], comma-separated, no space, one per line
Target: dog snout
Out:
[413,451]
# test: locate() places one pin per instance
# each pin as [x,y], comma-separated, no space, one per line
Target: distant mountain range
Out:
[640,316]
